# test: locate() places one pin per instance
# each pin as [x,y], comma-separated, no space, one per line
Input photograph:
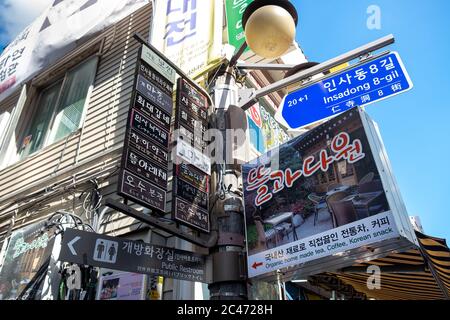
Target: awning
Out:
[418,274]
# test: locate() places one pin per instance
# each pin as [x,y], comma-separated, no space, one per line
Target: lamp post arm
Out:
[265,66]
[325,66]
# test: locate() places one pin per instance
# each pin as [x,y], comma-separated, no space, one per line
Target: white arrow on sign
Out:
[71,243]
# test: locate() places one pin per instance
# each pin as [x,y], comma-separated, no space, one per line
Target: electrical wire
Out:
[57,189]
[92,202]
[45,197]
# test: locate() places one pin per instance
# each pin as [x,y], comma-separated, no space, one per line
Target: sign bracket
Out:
[309,81]
[155,222]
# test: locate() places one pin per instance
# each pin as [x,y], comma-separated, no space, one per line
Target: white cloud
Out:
[16,15]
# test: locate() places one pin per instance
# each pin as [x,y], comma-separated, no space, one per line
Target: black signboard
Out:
[191,186]
[144,169]
[155,77]
[191,214]
[153,112]
[191,194]
[192,115]
[192,120]
[88,248]
[148,148]
[141,191]
[194,110]
[193,176]
[193,94]
[154,94]
[145,126]
[141,166]
[192,137]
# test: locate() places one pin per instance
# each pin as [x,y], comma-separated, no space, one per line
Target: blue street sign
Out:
[361,85]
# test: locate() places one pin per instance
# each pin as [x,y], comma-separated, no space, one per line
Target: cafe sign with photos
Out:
[322,199]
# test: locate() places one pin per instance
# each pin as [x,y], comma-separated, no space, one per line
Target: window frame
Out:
[62,81]
[29,120]
[55,107]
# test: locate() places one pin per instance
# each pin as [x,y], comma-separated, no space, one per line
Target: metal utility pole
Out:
[228,256]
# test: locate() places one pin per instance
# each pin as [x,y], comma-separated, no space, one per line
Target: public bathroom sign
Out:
[363,84]
[116,253]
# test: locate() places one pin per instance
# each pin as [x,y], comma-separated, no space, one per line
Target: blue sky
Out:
[415,124]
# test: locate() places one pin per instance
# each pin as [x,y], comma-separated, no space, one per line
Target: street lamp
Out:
[269,27]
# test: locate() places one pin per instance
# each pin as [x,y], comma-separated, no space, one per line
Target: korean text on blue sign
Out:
[364,84]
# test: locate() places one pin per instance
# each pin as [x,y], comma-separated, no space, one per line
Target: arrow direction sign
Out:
[360,85]
[256,265]
[71,243]
[132,256]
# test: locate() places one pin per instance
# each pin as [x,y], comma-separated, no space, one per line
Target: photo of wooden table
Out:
[276,220]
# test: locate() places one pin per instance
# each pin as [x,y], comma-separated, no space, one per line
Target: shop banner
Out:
[234,10]
[54,34]
[350,236]
[321,194]
[28,249]
[188,32]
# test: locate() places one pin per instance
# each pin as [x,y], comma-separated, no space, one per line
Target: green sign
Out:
[234,10]
[28,250]
[158,63]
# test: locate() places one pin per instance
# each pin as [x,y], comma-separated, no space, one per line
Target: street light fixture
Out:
[269,27]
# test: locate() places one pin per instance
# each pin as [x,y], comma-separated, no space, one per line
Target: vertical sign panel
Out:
[192,169]
[144,170]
